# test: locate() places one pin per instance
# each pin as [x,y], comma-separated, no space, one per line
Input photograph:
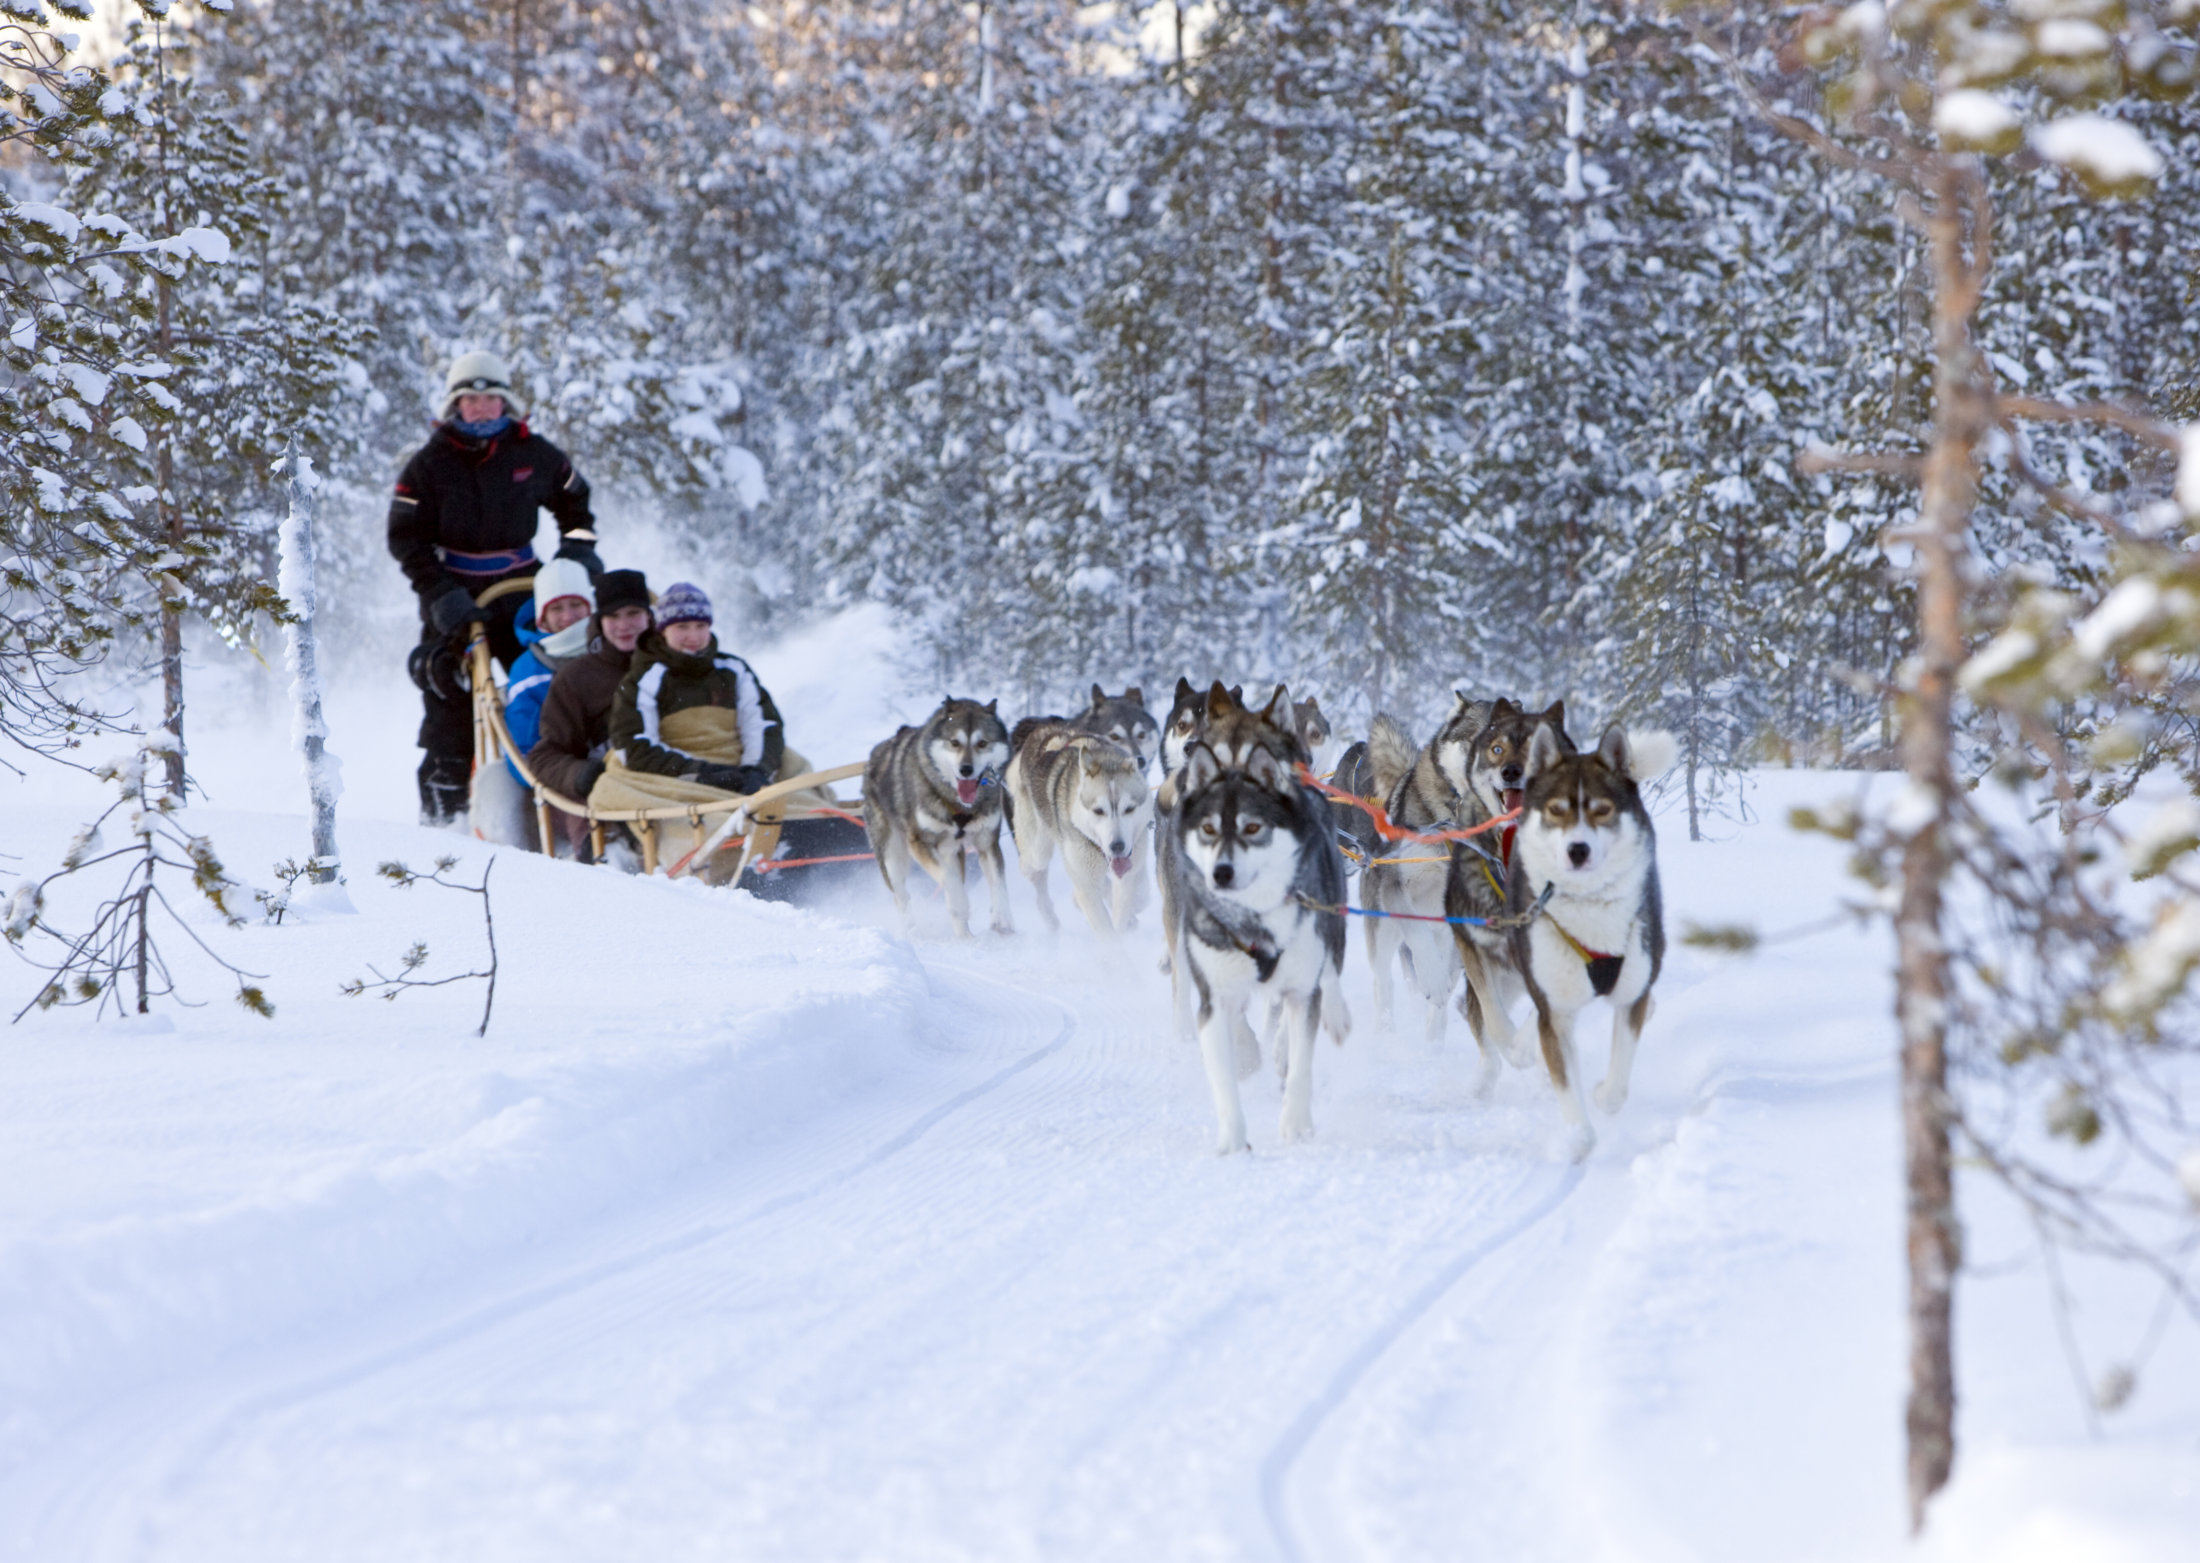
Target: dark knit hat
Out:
[682,602]
[616,589]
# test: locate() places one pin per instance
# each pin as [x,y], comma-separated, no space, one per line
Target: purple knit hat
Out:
[682,602]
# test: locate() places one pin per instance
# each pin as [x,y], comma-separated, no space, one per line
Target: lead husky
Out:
[1588,856]
[1254,846]
[933,793]
[1089,796]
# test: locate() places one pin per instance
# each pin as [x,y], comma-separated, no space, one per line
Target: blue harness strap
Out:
[460,563]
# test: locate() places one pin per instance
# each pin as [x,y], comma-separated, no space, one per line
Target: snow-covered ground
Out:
[759,1232]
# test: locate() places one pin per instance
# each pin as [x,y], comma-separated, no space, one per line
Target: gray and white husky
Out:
[1124,721]
[1588,856]
[1491,771]
[933,794]
[1253,847]
[1088,796]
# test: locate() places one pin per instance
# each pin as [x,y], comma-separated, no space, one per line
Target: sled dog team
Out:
[1496,860]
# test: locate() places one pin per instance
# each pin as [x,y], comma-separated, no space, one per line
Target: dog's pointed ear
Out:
[1220,702]
[1613,750]
[1184,689]
[1543,752]
[1135,695]
[994,705]
[1555,716]
[1099,697]
[1264,770]
[1200,767]
[1278,710]
[1503,707]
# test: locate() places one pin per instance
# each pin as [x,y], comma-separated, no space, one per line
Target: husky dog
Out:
[1124,721]
[1253,847]
[1587,856]
[1356,833]
[1233,732]
[1187,719]
[933,793]
[1089,796]
[1416,789]
[1490,770]
[1315,733]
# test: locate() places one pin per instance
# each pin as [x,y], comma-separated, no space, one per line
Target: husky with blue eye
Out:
[1256,880]
[1587,856]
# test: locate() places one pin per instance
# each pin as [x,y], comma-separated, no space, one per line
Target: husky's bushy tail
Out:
[1391,753]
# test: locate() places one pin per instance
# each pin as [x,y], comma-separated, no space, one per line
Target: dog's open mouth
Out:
[1510,798]
[966,790]
[1119,866]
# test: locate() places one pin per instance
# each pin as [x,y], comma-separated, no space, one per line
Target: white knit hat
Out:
[482,373]
[563,578]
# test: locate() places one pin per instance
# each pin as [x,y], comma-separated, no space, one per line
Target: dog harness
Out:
[1603,968]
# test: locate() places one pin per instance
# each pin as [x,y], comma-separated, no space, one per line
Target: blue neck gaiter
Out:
[485,429]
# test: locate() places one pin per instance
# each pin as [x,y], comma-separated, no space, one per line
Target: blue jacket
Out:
[528,689]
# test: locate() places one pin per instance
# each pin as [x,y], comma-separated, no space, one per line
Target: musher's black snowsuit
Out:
[463,518]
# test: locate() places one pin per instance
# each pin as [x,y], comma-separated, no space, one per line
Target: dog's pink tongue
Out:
[1121,865]
[966,789]
[1511,797]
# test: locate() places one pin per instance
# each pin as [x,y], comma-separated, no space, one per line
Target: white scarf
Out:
[567,643]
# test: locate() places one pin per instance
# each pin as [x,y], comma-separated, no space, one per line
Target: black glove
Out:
[585,783]
[582,553]
[436,670]
[454,610]
[734,778]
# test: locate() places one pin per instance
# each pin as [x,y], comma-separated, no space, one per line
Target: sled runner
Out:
[788,840]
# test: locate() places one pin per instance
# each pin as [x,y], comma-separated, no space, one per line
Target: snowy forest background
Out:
[1376,348]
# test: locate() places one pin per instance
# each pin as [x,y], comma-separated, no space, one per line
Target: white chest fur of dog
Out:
[1587,854]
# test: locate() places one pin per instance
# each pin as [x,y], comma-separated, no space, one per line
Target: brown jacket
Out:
[576,719]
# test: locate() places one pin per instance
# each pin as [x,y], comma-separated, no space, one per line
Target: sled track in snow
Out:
[1276,1469]
[77,1504]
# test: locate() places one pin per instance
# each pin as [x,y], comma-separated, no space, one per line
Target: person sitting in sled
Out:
[574,732]
[691,724]
[554,627]
[463,518]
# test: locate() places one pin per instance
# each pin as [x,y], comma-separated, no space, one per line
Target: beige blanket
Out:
[620,788]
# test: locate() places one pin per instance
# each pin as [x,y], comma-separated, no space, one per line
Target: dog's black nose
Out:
[1224,874]
[1510,776]
[966,768]
[1118,849]
[1577,853]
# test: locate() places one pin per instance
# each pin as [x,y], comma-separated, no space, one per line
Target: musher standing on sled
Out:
[463,519]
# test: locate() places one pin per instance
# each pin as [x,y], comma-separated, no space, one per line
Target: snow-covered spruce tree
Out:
[1924,98]
[1376,554]
[92,550]
[245,374]
[951,423]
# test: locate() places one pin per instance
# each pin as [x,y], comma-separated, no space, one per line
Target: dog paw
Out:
[1610,1097]
[1296,1130]
[1485,1082]
[1231,1144]
[1579,1141]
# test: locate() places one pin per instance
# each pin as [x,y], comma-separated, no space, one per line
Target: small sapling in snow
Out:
[118,957]
[387,987]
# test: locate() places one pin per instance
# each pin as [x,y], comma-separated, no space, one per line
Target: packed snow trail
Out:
[825,1244]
